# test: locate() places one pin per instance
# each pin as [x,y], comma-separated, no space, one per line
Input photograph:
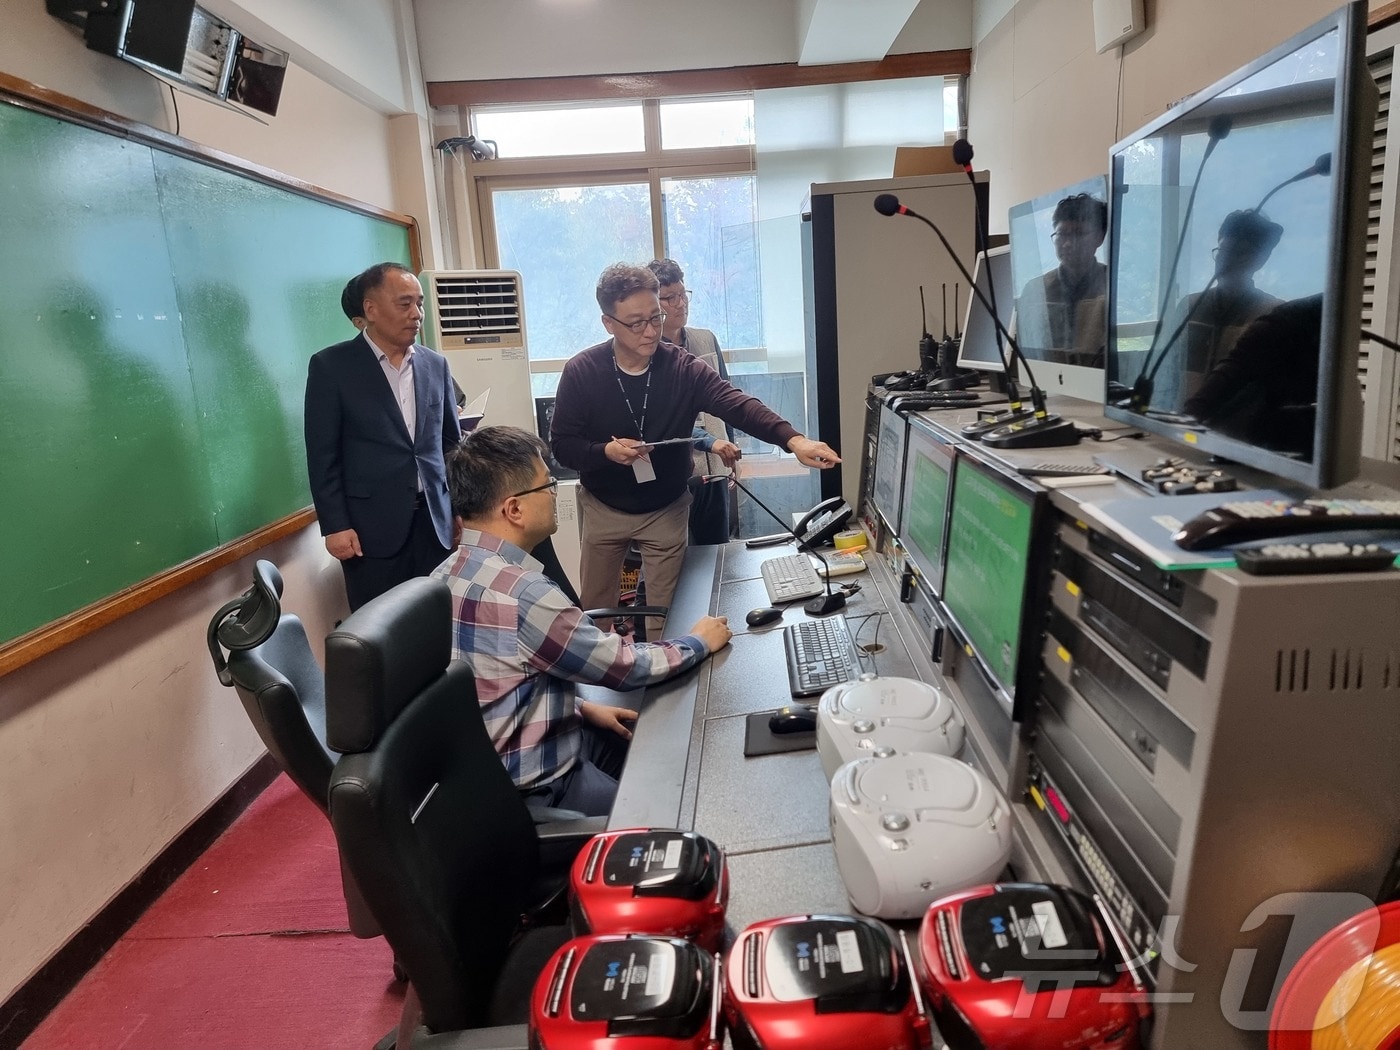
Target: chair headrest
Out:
[382,657]
[248,620]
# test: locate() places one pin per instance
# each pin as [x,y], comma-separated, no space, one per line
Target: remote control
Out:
[1060,470]
[1279,559]
[1265,519]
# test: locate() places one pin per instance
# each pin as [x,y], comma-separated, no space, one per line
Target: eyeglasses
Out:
[638,327]
[677,298]
[552,485]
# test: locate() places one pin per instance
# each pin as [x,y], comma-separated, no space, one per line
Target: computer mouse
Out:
[763,617]
[795,719]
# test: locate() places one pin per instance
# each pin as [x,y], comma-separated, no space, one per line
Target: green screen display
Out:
[925,516]
[989,536]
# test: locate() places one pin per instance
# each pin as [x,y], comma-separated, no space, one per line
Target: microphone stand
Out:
[1015,411]
[1035,429]
[822,604]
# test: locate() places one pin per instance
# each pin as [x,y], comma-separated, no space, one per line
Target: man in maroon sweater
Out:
[613,401]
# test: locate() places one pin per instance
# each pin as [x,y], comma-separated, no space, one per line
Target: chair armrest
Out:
[552,815]
[627,610]
[561,831]
[506,1037]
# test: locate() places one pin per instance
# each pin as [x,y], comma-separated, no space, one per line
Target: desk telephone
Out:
[819,525]
[822,522]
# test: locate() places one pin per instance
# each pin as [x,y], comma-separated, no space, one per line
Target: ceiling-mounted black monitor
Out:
[183,44]
[1237,247]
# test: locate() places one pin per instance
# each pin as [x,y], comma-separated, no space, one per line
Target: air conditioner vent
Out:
[1334,670]
[473,309]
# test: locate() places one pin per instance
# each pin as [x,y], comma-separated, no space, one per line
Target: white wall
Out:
[1043,107]
[113,745]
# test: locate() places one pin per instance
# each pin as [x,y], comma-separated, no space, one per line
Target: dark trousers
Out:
[591,785]
[368,578]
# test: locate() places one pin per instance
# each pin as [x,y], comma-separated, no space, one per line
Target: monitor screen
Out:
[889,466]
[992,275]
[1058,271]
[1237,259]
[988,565]
[928,468]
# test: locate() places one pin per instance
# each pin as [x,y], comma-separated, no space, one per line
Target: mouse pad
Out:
[760,740]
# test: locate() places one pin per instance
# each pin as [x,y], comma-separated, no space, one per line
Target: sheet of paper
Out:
[478,407]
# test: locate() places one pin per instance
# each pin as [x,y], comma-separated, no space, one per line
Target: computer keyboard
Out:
[820,654]
[790,578]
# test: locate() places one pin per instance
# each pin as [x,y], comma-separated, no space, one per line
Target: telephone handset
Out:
[822,522]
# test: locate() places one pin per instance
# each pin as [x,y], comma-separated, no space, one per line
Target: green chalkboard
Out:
[158,312]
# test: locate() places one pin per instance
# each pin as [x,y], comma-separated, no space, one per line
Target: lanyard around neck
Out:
[640,424]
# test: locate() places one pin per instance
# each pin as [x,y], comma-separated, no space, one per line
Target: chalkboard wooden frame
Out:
[17,652]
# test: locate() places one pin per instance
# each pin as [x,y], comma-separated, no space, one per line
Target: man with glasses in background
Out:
[624,417]
[715,451]
[527,643]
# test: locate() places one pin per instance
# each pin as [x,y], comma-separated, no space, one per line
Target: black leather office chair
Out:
[271,667]
[432,826]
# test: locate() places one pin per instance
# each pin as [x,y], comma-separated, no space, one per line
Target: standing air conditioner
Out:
[476,319]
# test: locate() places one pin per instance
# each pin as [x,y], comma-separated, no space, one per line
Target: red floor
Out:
[249,948]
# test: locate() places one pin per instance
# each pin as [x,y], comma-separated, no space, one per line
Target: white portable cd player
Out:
[908,829]
[856,719]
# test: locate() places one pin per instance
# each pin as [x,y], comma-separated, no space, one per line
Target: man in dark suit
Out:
[380,417]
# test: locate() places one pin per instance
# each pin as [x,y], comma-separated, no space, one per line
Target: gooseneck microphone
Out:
[962,155]
[1321,166]
[1015,411]
[1140,399]
[1038,429]
[822,604]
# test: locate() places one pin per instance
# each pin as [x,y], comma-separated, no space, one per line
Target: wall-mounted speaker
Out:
[1116,21]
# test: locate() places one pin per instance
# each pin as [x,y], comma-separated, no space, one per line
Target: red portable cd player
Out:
[639,880]
[627,993]
[1027,966]
[838,982]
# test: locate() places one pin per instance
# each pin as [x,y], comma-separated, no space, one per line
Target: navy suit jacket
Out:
[363,467]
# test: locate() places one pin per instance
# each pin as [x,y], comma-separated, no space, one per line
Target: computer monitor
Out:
[1238,248]
[929,464]
[1060,280]
[992,275]
[889,467]
[991,571]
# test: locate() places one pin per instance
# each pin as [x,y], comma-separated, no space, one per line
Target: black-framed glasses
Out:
[677,298]
[552,485]
[638,327]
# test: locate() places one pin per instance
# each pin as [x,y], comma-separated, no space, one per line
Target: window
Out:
[684,190]
[576,186]
[553,131]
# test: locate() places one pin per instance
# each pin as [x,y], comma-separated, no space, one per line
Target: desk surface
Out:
[686,767]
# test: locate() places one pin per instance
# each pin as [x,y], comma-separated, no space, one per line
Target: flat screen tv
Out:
[1237,251]
[889,466]
[929,463]
[992,572]
[979,347]
[1059,274]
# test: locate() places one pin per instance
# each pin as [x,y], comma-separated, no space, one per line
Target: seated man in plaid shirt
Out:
[528,644]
